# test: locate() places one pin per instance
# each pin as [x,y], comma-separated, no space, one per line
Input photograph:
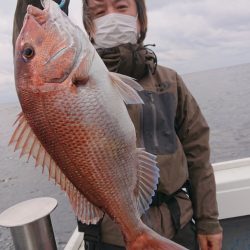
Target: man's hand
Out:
[210,242]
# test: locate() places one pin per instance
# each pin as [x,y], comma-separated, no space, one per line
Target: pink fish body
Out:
[75,124]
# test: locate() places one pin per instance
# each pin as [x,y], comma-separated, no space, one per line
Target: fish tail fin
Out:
[149,240]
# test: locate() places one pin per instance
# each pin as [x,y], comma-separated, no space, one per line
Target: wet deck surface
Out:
[236,233]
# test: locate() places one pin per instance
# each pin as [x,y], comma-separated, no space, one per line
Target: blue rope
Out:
[61,5]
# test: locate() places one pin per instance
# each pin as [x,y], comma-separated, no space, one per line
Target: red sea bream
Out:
[74,122]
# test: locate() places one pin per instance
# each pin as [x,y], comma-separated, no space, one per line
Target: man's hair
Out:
[142,17]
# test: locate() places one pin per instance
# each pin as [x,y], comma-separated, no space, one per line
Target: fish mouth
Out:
[40,16]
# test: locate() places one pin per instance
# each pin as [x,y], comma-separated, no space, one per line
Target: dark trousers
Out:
[91,245]
[185,237]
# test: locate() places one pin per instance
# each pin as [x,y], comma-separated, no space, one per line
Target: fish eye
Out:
[28,53]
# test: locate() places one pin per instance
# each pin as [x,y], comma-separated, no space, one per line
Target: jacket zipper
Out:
[141,127]
[152,103]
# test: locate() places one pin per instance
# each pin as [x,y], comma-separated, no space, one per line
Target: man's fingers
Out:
[202,239]
[210,242]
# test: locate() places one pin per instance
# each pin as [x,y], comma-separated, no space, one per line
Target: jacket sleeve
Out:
[193,133]
[20,12]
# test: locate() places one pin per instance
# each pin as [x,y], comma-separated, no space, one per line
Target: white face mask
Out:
[115,29]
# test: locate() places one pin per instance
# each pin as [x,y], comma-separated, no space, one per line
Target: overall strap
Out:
[172,204]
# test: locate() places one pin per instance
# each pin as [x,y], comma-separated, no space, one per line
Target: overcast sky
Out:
[190,35]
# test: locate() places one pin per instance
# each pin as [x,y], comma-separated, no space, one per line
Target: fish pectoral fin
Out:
[128,93]
[148,175]
[24,138]
[129,81]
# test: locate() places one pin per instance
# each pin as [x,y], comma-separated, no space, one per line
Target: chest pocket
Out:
[157,122]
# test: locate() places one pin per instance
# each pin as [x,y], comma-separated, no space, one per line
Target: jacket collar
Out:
[132,60]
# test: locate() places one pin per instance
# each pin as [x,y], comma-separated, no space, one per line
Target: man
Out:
[169,125]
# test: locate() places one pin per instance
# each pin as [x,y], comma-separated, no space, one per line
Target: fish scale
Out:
[109,156]
[89,150]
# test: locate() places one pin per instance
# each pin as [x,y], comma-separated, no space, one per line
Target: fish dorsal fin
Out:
[123,85]
[24,138]
[148,175]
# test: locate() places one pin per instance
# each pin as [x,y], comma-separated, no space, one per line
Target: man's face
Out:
[100,8]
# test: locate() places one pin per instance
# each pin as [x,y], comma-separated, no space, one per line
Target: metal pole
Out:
[30,224]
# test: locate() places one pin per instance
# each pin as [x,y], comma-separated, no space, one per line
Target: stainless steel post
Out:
[30,224]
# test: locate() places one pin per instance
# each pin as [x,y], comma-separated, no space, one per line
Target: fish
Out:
[74,123]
